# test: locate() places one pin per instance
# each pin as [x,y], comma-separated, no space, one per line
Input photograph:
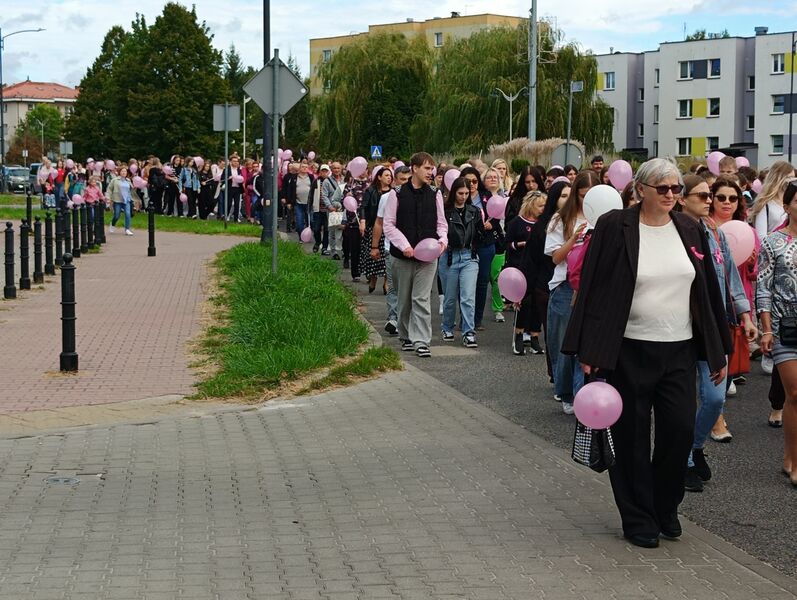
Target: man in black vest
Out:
[415,212]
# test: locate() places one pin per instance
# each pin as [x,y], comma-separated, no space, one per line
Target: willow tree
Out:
[463,113]
[373,90]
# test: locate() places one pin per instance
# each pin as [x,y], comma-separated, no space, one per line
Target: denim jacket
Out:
[189,180]
[727,274]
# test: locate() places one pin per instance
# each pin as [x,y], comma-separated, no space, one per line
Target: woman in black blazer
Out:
[648,307]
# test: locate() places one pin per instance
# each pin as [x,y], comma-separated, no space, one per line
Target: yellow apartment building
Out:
[436,31]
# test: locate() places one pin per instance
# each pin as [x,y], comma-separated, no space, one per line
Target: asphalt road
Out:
[748,502]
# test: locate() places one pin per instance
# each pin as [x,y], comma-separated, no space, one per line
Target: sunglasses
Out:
[471,181]
[704,196]
[662,190]
[724,198]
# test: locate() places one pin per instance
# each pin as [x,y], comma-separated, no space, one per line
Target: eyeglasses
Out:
[724,198]
[662,190]
[704,196]
[471,181]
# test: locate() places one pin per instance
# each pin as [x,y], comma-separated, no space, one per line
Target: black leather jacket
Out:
[464,233]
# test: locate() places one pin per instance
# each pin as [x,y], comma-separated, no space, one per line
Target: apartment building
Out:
[436,31]
[690,98]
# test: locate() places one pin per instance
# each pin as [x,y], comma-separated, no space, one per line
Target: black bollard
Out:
[38,268]
[24,256]
[68,358]
[29,209]
[66,215]
[84,242]
[151,229]
[75,232]
[99,218]
[90,210]
[59,236]
[49,266]
[10,289]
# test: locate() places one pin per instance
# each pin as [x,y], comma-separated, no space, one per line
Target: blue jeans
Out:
[712,399]
[300,210]
[459,284]
[118,207]
[486,255]
[567,374]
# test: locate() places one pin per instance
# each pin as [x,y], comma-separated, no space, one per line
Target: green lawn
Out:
[15,199]
[277,328]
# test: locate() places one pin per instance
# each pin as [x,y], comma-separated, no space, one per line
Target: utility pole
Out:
[269,163]
[533,51]
[791,94]
[511,99]
[575,87]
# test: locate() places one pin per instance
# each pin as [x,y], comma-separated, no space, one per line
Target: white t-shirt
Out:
[380,212]
[660,307]
[769,218]
[555,239]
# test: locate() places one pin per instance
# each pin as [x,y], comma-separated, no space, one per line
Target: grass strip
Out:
[276,328]
[14,199]
[162,223]
[373,360]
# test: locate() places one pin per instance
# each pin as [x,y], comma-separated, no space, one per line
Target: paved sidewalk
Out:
[134,317]
[395,488]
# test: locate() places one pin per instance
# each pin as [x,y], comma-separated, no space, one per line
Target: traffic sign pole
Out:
[275,123]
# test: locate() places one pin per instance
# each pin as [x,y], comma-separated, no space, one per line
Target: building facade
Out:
[436,31]
[689,98]
[24,96]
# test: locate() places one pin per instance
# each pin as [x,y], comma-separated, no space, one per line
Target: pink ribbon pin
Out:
[697,254]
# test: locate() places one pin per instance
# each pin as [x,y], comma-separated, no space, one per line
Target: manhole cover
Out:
[56,480]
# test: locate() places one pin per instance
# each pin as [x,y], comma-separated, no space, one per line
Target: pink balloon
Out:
[77,199]
[238,178]
[139,183]
[741,161]
[70,205]
[311,155]
[598,405]
[449,177]
[133,168]
[757,186]
[427,250]
[288,154]
[306,235]
[70,164]
[357,167]
[713,162]
[217,177]
[350,203]
[110,165]
[98,167]
[741,240]
[512,284]
[183,198]
[496,207]
[620,174]
[199,162]
[398,164]
[167,170]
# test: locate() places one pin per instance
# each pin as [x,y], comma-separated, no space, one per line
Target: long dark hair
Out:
[451,199]
[483,193]
[551,205]
[377,174]
[520,190]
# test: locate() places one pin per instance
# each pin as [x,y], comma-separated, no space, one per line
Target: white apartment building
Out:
[689,98]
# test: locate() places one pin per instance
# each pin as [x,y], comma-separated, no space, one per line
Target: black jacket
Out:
[370,205]
[464,233]
[608,277]
[519,230]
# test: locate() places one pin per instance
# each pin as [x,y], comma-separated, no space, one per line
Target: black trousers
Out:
[659,376]
[192,197]
[321,228]
[777,395]
[351,244]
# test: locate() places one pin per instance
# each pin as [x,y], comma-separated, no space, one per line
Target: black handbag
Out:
[787,331]
[593,448]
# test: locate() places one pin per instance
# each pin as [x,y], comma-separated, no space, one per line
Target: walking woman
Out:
[458,266]
[120,192]
[373,268]
[207,186]
[776,300]
[189,185]
[351,234]
[492,183]
[528,181]
[156,184]
[640,260]
[564,233]
[504,178]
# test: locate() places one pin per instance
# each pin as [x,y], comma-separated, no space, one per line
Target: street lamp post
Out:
[246,99]
[791,94]
[2,103]
[575,87]
[41,125]
[511,99]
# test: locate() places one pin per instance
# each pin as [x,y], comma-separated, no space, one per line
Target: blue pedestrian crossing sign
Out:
[376,152]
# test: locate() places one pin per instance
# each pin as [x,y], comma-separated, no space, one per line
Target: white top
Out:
[555,239]
[380,213]
[770,217]
[660,308]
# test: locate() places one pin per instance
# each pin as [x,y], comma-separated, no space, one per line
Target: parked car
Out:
[16,180]
[33,178]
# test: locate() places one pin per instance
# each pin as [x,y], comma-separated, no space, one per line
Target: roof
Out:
[39,90]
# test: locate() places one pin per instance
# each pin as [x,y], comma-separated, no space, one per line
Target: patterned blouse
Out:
[776,286]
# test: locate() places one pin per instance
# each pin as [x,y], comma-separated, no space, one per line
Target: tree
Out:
[374,89]
[700,34]
[298,121]
[28,135]
[463,114]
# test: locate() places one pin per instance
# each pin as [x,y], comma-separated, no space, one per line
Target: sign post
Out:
[575,87]
[376,152]
[226,118]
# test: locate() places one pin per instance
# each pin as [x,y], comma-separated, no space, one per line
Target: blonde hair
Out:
[528,202]
[497,176]
[506,181]
[778,177]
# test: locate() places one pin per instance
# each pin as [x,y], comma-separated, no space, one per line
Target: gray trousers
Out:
[414,281]
[336,240]
[392,297]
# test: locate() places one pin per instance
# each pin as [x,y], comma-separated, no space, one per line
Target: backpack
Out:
[575,260]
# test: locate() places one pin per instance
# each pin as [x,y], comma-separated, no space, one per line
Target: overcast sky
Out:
[75,28]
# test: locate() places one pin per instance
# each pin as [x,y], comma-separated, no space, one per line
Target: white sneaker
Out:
[731,389]
[128,232]
[440,310]
[112,229]
[499,317]
[567,408]
[767,364]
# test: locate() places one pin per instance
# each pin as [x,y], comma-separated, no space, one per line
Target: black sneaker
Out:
[315,247]
[692,482]
[517,345]
[469,340]
[448,336]
[671,527]
[345,263]
[390,327]
[407,346]
[740,380]
[324,252]
[336,256]
[423,351]
[535,345]
[701,466]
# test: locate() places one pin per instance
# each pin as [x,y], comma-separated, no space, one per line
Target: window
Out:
[684,146]
[640,130]
[777,144]
[750,122]
[326,55]
[713,107]
[778,104]
[608,80]
[656,75]
[714,67]
[655,114]
[31,106]
[712,143]
[686,69]
[684,109]
[640,95]
[751,83]
[778,63]
[438,39]
[327,85]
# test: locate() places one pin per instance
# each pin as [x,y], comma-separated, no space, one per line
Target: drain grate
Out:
[59,480]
